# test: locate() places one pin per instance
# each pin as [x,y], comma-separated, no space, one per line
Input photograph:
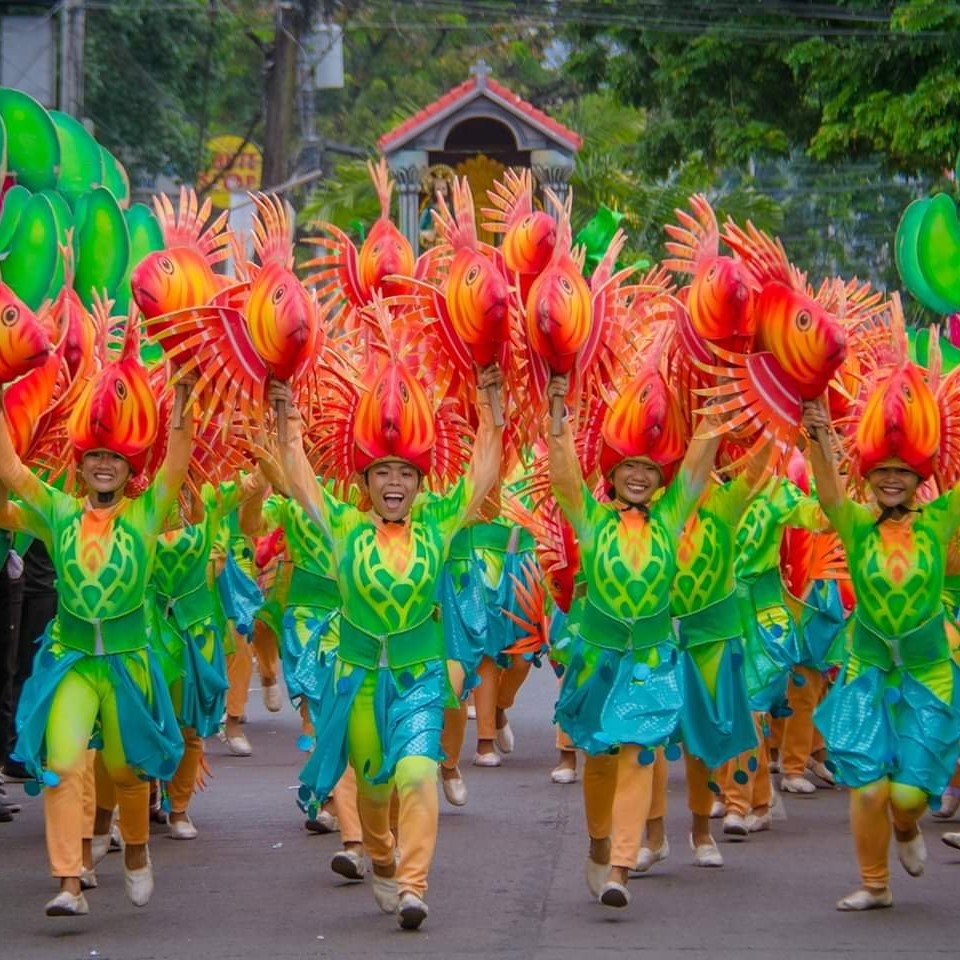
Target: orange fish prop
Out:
[118,410]
[644,423]
[529,235]
[24,343]
[385,250]
[901,422]
[281,316]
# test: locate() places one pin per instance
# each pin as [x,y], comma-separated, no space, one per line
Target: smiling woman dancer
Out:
[94,666]
[387,682]
[622,691]
[892,721]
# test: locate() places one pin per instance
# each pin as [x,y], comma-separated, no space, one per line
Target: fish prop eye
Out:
[10,315]
[166,265]
[804,320]
[279,294]
[120,388]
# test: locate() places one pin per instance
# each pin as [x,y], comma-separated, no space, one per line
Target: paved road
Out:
[507,880]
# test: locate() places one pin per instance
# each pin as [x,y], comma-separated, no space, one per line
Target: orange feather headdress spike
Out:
[118,410]
[901,422]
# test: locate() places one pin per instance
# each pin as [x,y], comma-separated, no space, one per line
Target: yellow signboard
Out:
[236,166]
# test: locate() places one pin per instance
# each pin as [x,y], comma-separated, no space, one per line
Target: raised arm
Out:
[700,457]
[14,475]
[830,488]
[484,470]
[173,470]
[566,477]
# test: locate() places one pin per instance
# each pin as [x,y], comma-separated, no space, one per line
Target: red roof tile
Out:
[499,92]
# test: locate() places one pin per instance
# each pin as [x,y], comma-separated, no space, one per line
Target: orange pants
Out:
[775,736]
[661,772]
[800,737]
[454,732]
[874,810]
[240,666]
[699,796]
[181,788]
[617,793]
[345,807]
[497,691]
[757,792]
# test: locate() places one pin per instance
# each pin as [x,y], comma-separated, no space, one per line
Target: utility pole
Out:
[72,23]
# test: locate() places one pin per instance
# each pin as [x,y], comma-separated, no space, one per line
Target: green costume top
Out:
[387,574]
[706,552]
[628,561]
[779,504]
[898,569]
[104,559]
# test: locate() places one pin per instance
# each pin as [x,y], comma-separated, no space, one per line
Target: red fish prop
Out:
[24,344]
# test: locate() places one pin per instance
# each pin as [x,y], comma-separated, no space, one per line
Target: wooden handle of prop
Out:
[556,416]
[496,408]
[280,406]
[179,402]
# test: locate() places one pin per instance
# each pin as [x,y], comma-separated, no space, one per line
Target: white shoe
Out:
[597,874]
[271,697]
[324,822]
[182,830]
[865,900]
[718,810]
[66,904]
[800,786]
[99,846]
[821,771]
[471,712]
[735,826]
[774,766]
[758,823]
[411,911]
[913,855]
[563,774]
[239,745]
[487,759]
[385,892]
[455,790]
[139,883]
[614,895]
[952,840]
[949,803]
[349,865]
[778,810]
[649,857]
[88,879]
[707,854]
[505,739]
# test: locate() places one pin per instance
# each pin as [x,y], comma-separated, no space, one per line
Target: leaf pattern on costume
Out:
[181,558]
[704,560]
[112,586]
[307,547]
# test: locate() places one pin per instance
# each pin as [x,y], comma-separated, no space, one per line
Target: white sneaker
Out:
[718,810]
[951,840]
[182,829]
[385,892]
[913,855]
[865,900]
[706,854]
[649,857]
[239,745]
[774,766]
[505,739]
[597,874]
[758,823]
[821,771]
[324,822]
[563,774]
[614,895]
[88,879]
[139,883]
[800,786]
[66,904]
[349,865]
[778,810]
[271,697]
[487,759]
[411,911]
[471,712]
[455,790]
[735,826]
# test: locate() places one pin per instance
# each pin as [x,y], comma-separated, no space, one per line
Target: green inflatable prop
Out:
[33,148]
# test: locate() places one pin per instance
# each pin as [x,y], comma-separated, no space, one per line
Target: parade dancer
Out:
[95,664]
[386,687]
[622,689]
[892,720]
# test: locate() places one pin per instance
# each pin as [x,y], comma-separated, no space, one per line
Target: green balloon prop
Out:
[63,216]
[906,252]
[81,159]
[146,235]
[115,178]
[597,234]
[919,350]
[33,148]
[938,248]
[14,200]
[102,245]
[30,265]
[3,152]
